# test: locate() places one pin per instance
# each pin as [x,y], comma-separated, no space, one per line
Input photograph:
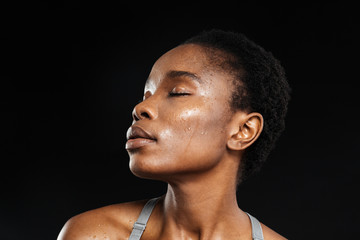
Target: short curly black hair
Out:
[260,86]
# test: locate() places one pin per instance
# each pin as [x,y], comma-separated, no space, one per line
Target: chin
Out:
[145,169]
[139,172]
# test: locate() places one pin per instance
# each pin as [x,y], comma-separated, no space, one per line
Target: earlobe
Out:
[246,129]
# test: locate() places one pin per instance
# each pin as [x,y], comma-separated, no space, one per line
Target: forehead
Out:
[189,58]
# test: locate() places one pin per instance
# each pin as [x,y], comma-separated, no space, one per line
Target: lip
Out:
[138,137]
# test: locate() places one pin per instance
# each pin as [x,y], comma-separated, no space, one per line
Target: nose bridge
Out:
[148,108]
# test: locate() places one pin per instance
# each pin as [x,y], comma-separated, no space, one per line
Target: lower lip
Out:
[138,143]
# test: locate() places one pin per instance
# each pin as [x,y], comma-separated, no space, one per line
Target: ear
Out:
[244,130]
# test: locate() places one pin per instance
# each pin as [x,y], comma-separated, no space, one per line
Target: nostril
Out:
[145,115]
[140,115]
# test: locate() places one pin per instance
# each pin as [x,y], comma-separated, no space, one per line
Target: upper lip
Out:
[138,132]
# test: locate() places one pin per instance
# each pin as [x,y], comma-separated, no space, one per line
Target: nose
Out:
[144,110]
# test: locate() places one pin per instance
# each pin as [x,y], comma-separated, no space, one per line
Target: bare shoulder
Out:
[270,234]
[110,222]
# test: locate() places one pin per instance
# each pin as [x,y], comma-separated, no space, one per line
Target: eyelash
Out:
[173,94]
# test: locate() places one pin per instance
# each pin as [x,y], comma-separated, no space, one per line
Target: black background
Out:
[71,74]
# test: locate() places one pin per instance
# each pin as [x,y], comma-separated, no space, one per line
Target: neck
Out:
[202,205]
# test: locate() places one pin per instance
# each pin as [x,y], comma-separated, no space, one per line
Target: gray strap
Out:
[140,224]
[256,229]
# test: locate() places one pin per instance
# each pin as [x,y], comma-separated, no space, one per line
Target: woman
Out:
[212,110]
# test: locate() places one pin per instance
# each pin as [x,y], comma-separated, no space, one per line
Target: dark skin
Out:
[196,147]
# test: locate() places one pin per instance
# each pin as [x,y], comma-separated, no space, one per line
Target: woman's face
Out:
[184,115]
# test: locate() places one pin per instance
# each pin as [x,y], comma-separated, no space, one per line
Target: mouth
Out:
[138,137]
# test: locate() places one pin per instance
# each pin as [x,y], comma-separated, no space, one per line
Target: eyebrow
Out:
[174,74]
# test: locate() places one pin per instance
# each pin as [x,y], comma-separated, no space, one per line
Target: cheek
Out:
[179,125]
[195,132]
[182,124]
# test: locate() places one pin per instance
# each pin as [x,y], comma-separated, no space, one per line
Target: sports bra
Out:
[140,224]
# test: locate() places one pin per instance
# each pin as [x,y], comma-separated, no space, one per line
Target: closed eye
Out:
[173,94]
